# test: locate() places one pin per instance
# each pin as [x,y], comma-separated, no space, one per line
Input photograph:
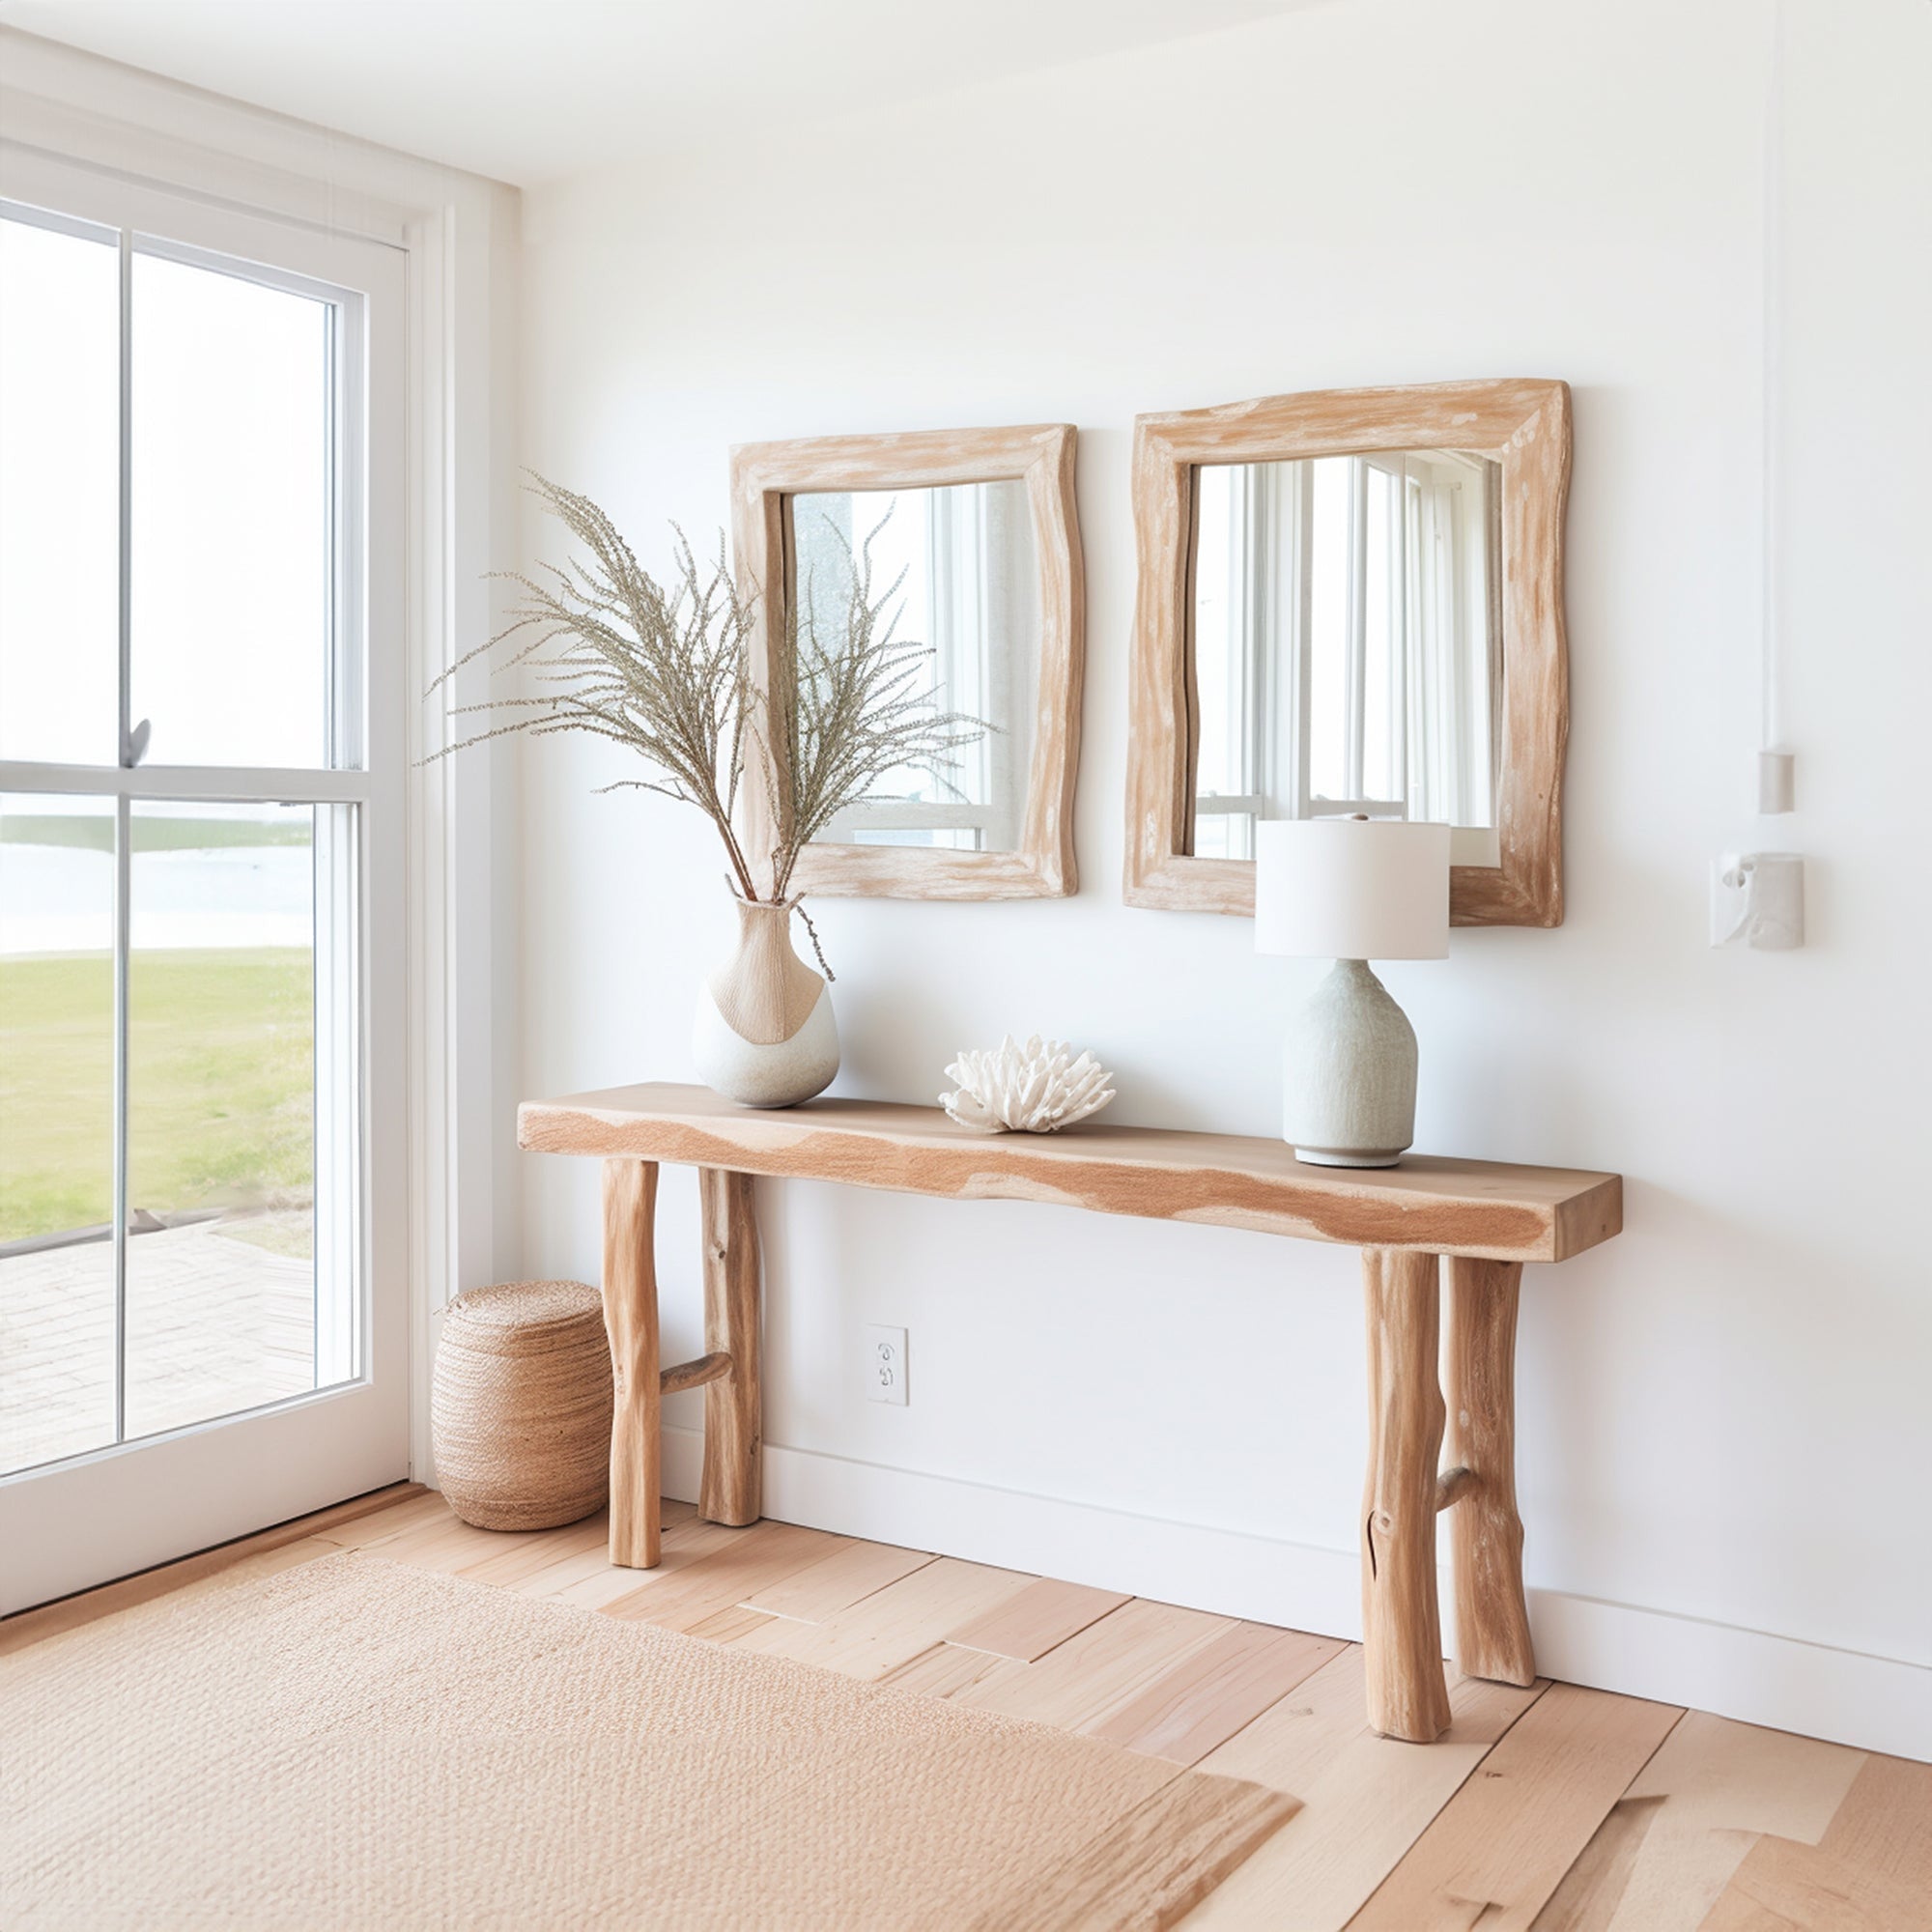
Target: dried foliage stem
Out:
[665,671]
[855,706]
[620,656]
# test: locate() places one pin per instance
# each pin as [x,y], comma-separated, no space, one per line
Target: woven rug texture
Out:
[356,1744]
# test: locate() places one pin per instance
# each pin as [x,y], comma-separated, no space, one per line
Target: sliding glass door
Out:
[202,1314]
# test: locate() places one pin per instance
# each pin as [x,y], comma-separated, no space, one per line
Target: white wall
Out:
[1724,1414]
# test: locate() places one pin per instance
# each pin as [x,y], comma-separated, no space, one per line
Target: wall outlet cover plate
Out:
[886,1364]
[1757,899]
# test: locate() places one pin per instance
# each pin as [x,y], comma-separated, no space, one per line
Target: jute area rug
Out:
[356,1744]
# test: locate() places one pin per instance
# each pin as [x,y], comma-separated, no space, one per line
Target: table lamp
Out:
[1351,889]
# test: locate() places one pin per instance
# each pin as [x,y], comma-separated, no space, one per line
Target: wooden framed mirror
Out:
[978,527]
[1352,601]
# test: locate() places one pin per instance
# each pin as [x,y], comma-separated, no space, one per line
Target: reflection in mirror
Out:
[1346,643]
[968,588]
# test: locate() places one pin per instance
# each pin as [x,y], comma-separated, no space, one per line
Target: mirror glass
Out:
[1346,644]
[960,574]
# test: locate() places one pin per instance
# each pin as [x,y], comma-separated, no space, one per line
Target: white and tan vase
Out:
[765,1036]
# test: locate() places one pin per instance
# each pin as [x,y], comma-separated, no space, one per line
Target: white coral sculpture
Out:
[1035,1089]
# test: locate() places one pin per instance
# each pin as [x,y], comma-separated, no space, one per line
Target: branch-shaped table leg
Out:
[631,1319]
[1492,1617]
[733,1407]
[1402,1629]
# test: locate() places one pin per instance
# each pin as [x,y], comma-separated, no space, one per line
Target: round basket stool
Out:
[520,1409]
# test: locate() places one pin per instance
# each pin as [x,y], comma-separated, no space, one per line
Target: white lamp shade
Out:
[1351,889]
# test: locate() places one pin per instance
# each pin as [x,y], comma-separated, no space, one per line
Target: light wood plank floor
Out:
[1551,1809]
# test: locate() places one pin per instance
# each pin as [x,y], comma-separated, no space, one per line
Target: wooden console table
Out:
[1484,1218]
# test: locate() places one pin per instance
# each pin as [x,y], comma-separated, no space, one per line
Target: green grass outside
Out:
[221,1068]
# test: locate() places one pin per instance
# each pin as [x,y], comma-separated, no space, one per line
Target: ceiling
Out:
[528,90]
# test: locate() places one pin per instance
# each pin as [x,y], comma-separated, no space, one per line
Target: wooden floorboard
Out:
[1498,1850]
[728,1626]
[516,1563]
[591,1581]
[1783,1884]
[753,1559]
[945,1669]
[1718,1786]
[1885,1823]
[1040,1617]
[837,1581]
[1551,1809]
[1086,1682]
[1364,1799]
[1220,1690]
[455,1548]
[1591,1891]
[874,1636]
[387,1524]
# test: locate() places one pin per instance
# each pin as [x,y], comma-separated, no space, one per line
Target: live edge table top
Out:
[1478,1207]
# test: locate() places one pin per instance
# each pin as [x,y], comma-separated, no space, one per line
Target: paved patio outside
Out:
[214,1324]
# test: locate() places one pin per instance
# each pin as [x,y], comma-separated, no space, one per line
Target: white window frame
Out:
[1269,594]
[448,1050]
[1268,590]
[353,1429]
[342,1254]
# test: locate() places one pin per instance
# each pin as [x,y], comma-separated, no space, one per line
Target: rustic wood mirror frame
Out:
[765,474]
[1525,426]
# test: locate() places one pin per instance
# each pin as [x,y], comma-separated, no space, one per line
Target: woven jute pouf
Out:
[520,1410]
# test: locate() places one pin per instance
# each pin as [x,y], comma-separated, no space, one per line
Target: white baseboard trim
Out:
[1874,1703]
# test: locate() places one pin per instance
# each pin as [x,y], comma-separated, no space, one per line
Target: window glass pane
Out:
[1343,639]
[1382,635]
[1228,672]
[60,512]
[232,508]
[956,568]
[1220,661]
[957,839]
[1331,574]
[1225,834]
[221,1111]
[56,1127]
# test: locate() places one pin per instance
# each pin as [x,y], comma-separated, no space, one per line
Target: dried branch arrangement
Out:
[666,669]
[856,704]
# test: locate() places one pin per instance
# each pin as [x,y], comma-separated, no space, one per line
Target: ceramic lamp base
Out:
[1347,1156]
[1349,1073]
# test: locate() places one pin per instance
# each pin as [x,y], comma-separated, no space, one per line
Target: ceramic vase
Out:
[765,1036]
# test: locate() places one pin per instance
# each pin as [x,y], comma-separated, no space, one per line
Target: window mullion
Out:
[122,820]
[338,701]
[122,897]
[126,504]
[1358,618]
[1251,593]
[215,785]
[1301,791]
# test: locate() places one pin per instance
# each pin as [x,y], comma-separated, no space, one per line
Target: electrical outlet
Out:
[1757,899]
[885,1363]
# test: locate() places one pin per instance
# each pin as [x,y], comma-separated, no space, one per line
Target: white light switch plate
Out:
[885,1363]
